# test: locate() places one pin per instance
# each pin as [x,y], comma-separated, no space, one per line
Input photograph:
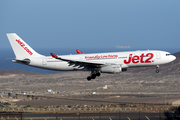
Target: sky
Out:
[151,24]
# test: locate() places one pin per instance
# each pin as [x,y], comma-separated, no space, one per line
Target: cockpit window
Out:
[168,54]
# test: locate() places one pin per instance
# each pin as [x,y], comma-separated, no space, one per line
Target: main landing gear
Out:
[157,69]
[93,75]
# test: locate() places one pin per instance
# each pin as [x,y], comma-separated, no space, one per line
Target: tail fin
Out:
[21,49]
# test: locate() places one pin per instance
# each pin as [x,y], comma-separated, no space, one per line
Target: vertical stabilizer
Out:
[21,49]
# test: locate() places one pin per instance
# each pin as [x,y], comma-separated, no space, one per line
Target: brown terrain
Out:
[135,83]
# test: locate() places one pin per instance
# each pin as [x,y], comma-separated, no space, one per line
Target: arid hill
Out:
[9,71]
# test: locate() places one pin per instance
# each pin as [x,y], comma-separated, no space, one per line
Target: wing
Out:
[81,63]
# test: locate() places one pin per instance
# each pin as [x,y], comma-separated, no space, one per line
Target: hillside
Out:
[9,71]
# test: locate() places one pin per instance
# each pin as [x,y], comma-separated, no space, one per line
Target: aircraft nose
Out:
[173,57]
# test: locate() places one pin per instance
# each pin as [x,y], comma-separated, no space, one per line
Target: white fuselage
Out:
[97,63]
[125,59]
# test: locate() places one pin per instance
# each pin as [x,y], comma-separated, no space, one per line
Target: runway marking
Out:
[110,118]
[128,118]
[147,118]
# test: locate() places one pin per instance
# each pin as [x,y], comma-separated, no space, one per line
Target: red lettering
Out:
[135,59]
[142,56]
[116,67]
[23,46]
[101,56]
[30,53]
[127,62]
[18,40]
[148,60]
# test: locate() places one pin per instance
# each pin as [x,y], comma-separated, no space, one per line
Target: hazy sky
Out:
[92,23]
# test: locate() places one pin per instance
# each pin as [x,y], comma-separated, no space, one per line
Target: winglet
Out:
[53,55]
[78,51]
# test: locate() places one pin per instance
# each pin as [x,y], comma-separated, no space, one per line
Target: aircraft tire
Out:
[157,71]
[89,78]
[98,74]
[93,76]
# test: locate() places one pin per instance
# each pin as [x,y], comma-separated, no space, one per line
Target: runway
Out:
[97,100]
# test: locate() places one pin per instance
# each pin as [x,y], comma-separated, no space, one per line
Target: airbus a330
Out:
[97,63]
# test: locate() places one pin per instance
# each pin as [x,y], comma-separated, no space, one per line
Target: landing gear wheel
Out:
[89,78]
[157,71]
[98,74]
[93,76]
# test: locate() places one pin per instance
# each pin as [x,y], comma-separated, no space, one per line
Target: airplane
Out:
[96,63]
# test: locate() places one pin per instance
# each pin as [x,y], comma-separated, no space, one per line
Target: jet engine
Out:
[111,69]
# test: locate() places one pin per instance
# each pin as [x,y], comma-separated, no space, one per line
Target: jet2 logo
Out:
[140,59]
[23,46]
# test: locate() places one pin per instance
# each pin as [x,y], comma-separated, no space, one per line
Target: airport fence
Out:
[89,110]
[84,116]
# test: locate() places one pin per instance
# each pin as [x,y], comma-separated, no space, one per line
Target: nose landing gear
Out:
[157,69]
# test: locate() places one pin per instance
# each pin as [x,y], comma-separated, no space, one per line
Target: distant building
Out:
[105,87]
[23,93]
[50,91]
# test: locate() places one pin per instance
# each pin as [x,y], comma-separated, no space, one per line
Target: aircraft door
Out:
[44,61]
[158,55]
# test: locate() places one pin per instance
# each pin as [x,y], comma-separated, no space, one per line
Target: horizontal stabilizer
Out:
[25,61]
